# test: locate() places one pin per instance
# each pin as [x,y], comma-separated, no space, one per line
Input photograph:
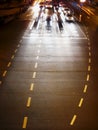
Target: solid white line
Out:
[82,32]
[31,25]
[78,38]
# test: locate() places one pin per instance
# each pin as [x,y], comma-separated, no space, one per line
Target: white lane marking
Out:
[34,75]
[85,88]
[32,86]
[80,103]
[82,32]
[31,26]
[29,102]
[73,120]
[25,122]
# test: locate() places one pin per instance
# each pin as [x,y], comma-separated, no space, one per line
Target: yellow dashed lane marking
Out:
[73,120]
[88,77]
[18,45]
[25,122]
[89,60]
[0,82]
[9,64]
[89,53]
[15,51]
[29,102]
[31,87]
[34,75]
[39,46]
[36,64]
[37,57]
[12,57]
[89,48]
[80,103]
[4,74]
[88,43]
[38,51]
[85,89]
[89,68]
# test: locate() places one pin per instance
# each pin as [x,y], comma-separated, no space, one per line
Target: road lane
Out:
[47,83]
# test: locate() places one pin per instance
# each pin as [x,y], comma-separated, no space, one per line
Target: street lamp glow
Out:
[82,1]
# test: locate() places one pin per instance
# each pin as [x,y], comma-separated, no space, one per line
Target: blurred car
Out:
[66,11]
[48,23]
[41,4]
[69,17]
[48,6]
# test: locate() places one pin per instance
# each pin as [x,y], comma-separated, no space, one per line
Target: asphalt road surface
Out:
[47,77]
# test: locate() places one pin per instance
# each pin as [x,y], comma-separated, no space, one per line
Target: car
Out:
[48,6]
[41,4]
[69,17]
[48,23]
[66,10]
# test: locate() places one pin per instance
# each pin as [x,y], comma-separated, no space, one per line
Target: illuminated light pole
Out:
[81,4]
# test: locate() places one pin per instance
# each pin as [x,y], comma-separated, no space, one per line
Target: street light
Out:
[81,4]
